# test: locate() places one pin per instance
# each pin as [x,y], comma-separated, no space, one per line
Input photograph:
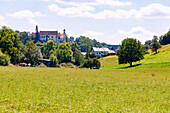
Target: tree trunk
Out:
[130,64]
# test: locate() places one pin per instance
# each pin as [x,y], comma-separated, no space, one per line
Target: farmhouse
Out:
[102,51]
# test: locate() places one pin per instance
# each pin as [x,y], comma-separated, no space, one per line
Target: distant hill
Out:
[159,60]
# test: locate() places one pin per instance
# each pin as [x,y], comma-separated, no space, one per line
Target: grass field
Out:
[84,90]
[159,60]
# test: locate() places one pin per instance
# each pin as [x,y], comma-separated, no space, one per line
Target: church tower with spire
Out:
[64,34]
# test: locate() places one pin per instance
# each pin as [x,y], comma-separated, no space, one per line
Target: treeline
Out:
[82,42]
[19,47]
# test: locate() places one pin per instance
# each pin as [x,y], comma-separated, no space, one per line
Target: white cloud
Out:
[3,21]
[27,14]
[139,33]
[92,34]
[79,11]
[151,11]
[94,2]
[32,21]
[155,10]
[112,3]
[46,0]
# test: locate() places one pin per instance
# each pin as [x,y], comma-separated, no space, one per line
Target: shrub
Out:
[92,63]
[96,63]
[4,59]
[42,65]
[53,61]
[67,65]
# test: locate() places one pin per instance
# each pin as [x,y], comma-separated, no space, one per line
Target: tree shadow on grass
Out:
[130,66]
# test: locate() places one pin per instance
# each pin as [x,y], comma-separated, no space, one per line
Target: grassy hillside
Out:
[83,90]
[159,60]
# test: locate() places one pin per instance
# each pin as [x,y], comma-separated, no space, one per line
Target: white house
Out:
[102,51]
[52,35]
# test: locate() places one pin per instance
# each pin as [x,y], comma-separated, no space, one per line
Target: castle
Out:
[51,35]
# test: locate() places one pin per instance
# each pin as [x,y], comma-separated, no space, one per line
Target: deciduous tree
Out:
[130,51]
[32,53]
[49,49]
[10,44]
[155,45]
[64,53]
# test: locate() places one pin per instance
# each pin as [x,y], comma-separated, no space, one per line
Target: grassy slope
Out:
[160,60]
[83,90]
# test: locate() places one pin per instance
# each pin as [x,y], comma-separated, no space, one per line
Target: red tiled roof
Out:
[48,32]
[61,35]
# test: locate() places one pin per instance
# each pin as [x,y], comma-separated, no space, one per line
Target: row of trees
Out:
[21,47]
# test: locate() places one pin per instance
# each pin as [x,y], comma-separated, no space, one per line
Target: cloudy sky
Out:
[107,21]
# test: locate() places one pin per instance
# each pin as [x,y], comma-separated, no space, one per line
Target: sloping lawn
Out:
[159,60]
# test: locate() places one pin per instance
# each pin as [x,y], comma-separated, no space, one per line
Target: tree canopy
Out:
[24,37]
[165,39]
[32,53]
[82,42]
[155,45]
[64,53]
[130,51]
[4,59]
[10,44]
[49,49]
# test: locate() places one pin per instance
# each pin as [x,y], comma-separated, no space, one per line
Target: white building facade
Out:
[101,51]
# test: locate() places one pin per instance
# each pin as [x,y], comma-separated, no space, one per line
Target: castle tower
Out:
[36,29]
[64,34]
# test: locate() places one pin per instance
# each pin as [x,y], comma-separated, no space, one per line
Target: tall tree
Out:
[64,53]
[37,35]
[10,44]
[88,50]
[78,57]
[49,49]
[32,53]
[155,45]
[130,51]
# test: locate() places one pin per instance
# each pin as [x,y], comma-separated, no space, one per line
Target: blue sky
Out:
[107,21]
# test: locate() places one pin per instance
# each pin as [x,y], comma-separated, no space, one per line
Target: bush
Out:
[96,63]
[92,63]
[4,59]
[53,61]
[67,65]
[42,65]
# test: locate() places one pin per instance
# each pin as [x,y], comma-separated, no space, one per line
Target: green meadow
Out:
[151,61]
[84,90]
[114,88]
